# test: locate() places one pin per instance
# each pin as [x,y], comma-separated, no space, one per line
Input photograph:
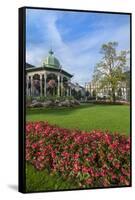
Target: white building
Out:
[122,91]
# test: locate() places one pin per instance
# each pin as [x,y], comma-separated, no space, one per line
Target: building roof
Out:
[36,69]
[51,61]
[29,65]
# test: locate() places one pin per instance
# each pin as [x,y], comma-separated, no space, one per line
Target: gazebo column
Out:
[70,91]
[27,88]
[32,87]
[45,84]
[69,87]
[58,92]
[61,86]
[41,85]
[67,92]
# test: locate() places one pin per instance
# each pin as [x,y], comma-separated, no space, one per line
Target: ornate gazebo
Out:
[49,79]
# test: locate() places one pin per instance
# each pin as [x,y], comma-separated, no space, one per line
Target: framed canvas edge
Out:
[22,100]
[21,92]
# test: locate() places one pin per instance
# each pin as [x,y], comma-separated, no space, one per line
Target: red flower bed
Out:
[90,159]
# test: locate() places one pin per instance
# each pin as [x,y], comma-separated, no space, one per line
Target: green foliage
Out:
[94,93]
[52,98]
[119,93]
[110,70]
[76,94]
[29,98]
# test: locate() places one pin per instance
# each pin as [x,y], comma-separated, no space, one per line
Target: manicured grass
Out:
[115,118]
[43,181]
[84,117]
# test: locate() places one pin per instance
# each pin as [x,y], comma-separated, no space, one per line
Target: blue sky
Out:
[75,37]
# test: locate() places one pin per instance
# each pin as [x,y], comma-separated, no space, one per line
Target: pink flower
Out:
[85,169]
[110,157]
[76,167]
[76,155]
[53,154]
[89,181]
[86,150]
[34,145]
[93,158]
[116,164]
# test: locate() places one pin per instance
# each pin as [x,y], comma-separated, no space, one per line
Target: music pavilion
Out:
[48,79]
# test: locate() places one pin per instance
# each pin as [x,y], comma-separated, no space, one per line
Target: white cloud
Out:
[79,56]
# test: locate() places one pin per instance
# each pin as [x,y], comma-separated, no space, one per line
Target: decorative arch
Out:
[52,84]
[65,86]
[36,85]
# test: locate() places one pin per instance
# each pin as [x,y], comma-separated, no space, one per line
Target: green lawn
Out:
[43,181]
[86,117]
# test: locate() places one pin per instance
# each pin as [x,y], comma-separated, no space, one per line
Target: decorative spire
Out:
[51,52]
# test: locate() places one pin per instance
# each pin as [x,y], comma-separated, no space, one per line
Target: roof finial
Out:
[51,51]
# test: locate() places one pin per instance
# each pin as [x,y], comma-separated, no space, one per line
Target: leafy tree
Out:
[119,92]
[94,93]
[87,93]
[110,70]
[79,94]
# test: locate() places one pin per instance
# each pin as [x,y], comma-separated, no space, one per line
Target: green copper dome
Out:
[51,61]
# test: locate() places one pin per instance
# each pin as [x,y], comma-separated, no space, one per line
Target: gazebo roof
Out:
[51,61]
[47,68]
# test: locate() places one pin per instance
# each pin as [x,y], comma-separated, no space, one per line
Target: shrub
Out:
[52,98]
[112,103]
[29,99]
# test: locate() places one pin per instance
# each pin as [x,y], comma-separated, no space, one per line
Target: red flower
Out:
[34,145]
[85,169]
[86,150]
[89,181]
[76,155]
[93,158]
[110,156]
[53,154]
[76,167]
[116,164]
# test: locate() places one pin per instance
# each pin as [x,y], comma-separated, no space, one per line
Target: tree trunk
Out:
[113,95]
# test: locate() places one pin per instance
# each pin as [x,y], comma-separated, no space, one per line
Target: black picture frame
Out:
[22,94]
